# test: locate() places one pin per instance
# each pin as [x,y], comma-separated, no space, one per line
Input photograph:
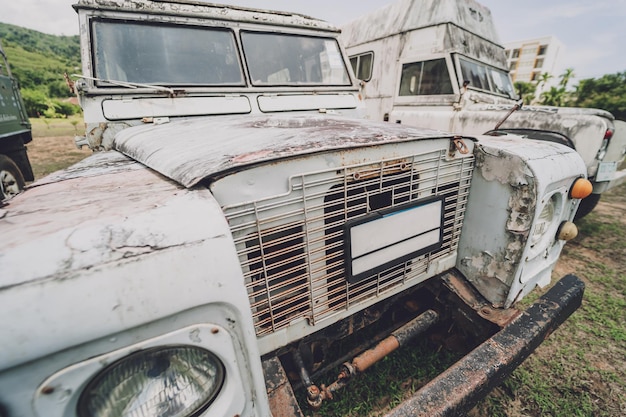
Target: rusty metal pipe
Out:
[397,339]
[516,107]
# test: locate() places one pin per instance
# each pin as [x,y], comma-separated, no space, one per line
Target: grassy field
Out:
[579,371]
[53,146]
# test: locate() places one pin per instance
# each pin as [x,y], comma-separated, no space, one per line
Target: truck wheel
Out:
[11,179]
[586,205]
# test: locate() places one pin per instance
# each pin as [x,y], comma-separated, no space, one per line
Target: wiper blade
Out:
[128,84]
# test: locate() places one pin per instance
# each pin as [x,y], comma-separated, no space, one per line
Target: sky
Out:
[593,32]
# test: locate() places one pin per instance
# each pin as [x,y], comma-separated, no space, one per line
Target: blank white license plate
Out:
[606,171]
[386,238]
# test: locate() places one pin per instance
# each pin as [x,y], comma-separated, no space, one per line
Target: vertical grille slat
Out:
[291,246]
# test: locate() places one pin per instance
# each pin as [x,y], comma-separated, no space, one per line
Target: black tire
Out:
[587,204]
[11,179]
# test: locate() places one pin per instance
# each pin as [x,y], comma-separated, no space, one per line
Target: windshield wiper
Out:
[128,84]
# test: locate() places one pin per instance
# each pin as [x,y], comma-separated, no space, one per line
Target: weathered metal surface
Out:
[208,10]
[496,252]
[283,402]
[409,15]
[88,231]
[461,287]
[205,147]
[456,391]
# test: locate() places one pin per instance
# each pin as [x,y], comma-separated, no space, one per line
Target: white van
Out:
[439,64]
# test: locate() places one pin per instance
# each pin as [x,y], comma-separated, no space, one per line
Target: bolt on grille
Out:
[291,247]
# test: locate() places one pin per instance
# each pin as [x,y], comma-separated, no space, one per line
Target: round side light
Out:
[581,188]
[567,231]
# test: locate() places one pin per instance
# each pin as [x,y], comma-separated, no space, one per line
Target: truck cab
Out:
[15,133]
[239,222]
[440,65]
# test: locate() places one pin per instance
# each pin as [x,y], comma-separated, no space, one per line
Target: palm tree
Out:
[553,97]
[566,77]
[525,90]
[544,78]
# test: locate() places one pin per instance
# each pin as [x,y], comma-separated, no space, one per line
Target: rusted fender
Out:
[461,386]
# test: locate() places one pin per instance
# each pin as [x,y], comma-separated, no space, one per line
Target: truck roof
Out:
[207,10]
[407,15]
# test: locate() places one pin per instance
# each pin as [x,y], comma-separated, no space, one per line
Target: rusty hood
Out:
[188,151]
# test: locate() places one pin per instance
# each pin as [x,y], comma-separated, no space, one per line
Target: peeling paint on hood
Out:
[187,151]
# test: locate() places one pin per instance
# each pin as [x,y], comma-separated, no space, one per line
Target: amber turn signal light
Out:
[581,188]
[567,231]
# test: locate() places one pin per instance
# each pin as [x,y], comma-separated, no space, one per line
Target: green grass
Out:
[71,126]
[387,383]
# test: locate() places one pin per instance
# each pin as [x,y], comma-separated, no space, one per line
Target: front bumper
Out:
[461,386]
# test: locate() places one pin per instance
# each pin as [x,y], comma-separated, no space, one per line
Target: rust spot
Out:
[215,330]
[47,390]
[251,156]
[282,400]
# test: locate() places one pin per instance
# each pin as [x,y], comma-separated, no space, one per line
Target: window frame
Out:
[246,61]
[487,67]
[358,66]
[95,70]
[437,99]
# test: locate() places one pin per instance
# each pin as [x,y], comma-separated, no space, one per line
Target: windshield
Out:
[484,77]
[165,54]
[278,59]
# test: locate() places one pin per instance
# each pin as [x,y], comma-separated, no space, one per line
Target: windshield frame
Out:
[337,55]
[96,59]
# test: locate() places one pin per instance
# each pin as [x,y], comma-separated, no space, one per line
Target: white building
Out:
[528,59]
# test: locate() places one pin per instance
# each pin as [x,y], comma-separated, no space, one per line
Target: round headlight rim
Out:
[539,243]
[81,408]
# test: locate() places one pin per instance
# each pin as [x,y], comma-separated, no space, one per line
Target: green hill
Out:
[39,60]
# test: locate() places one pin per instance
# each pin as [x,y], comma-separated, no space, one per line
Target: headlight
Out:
[544,221]
[175,381]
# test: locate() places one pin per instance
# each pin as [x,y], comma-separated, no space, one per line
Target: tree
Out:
[553,97]
[607,92]
[35,101]
[558,96]
[526,91]
[566,77]
[544,78]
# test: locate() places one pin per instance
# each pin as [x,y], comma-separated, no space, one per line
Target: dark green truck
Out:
[15,133]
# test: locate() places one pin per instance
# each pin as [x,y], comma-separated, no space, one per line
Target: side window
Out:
[425,78]
[475,74]
[362,65]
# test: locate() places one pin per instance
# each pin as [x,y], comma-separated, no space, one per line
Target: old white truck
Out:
[439,64]
[238,222]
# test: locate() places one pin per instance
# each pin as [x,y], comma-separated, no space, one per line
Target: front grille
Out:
[291,246]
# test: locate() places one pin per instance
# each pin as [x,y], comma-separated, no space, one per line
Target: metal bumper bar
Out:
[461,386]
